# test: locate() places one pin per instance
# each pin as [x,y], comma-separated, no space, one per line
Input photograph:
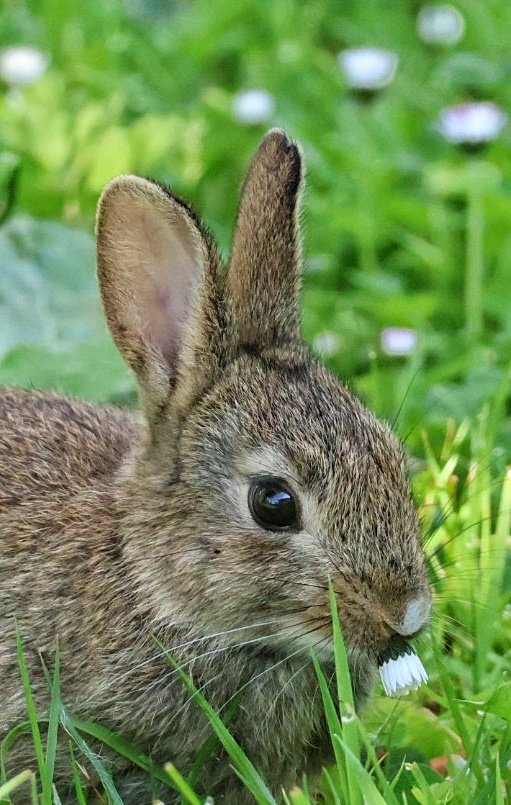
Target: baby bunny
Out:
[213,521]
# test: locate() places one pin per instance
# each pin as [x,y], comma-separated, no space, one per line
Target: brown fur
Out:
[115,529]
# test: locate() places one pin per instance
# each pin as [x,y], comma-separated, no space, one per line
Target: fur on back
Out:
[51,444]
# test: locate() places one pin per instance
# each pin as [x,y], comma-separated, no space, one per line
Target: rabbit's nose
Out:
[415,615]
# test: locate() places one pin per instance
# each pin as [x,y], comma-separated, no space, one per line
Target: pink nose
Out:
[415,616]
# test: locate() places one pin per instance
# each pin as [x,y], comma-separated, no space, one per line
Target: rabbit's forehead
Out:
[306,427]
[311,421]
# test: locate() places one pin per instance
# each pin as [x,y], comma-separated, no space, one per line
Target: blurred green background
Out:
[402,228]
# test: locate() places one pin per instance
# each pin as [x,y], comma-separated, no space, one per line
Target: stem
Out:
[474,266]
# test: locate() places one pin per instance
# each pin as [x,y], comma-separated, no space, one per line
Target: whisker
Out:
[209,637]
[277,664]
[250,681]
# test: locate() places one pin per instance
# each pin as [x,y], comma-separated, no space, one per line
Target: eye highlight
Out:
[273,505]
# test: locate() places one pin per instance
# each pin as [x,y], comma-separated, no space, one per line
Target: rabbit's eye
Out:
[273,505]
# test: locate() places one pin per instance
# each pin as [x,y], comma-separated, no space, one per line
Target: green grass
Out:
[402,230]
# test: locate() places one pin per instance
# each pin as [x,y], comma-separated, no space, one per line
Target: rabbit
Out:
[210,523]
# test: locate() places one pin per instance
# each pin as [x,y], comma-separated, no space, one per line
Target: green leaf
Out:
[499,702]
[48,289]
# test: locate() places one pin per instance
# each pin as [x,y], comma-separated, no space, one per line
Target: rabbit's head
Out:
[262,477]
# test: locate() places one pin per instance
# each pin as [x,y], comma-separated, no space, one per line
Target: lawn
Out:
[407,280]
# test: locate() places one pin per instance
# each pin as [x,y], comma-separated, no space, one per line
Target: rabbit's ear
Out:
[264,274]
[157,271]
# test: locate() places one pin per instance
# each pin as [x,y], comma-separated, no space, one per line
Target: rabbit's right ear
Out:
[157,271]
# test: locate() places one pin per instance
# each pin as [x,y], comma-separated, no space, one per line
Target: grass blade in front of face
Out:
[182,785]
[12,785]
[241,763]
[209,746]
[334,728]
[119,745]
[343,678]
[53,721]
[98,765]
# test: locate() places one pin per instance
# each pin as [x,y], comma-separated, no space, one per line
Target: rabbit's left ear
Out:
[264,274]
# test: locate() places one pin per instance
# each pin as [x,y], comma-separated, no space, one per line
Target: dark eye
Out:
[273,505]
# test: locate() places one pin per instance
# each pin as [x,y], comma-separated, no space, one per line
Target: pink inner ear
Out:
[161,264]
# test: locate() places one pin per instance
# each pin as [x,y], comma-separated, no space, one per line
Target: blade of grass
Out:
[344,692]
[451,698]
[492,569]
[390,797]
[334,728]
[499,796]
[427,797]
[331,785]
[209,746]
[364,782]
[182,785]
[9,741]
[53,721]
[12,785]
[94,760]
[481,496]
[242,765]
[32,717]
[343,678]
[77,782]
[119,745]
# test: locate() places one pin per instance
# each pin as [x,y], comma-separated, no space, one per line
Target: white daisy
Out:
[403,674]
[473,123]
[398,340]
[22,65]
[368,68]
[253,106]
[440,25]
